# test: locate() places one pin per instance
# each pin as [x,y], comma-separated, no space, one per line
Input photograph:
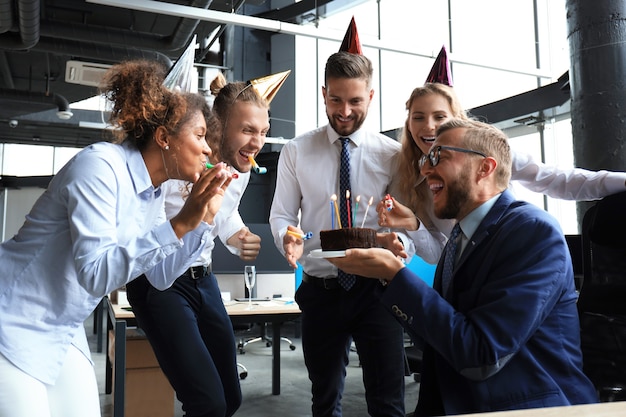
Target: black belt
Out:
[331,283]
[197,272]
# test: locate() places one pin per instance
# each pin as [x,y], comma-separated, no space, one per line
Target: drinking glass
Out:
[249,275]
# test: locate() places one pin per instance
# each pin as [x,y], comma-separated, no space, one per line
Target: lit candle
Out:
[256,167]
[333,198]
[369,203]
[356,209]
[348,204]
[332,216]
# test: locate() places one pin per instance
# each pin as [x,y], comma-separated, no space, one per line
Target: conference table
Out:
[121,317]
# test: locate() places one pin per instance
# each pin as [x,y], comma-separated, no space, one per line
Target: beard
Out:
[229,155]
[457,193]
[343,129]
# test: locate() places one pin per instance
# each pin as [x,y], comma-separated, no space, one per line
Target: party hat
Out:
[351,41]
[182,76]
[440,72]
[268,86]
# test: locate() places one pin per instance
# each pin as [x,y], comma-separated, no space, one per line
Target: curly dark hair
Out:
[141,103]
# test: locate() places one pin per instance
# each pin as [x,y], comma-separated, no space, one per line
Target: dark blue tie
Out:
[345,280]
[449,254]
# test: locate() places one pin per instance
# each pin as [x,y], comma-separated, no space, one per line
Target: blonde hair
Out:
[409,185]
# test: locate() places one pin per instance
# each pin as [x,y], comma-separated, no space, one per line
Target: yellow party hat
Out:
[268,86]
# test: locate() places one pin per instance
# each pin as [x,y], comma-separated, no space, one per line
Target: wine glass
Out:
[249,275]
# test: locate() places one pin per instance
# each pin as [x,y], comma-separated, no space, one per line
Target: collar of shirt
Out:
[355,137]
[138,171]
[470,223]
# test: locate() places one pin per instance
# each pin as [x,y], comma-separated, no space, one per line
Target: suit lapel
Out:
[487,225]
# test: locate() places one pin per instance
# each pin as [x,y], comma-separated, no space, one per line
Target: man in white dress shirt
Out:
[308,174]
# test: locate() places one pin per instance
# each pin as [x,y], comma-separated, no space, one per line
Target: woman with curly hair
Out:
[96,228]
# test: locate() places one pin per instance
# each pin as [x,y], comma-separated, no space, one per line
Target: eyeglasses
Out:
[435,153]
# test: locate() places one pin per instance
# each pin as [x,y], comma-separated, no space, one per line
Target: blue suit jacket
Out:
[508,337]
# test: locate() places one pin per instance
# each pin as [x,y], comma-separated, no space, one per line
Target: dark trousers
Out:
[193,340]
[331,319]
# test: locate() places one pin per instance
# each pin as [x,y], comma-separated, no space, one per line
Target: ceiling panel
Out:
[39,37]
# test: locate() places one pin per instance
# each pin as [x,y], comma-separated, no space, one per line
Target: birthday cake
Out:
[352,237]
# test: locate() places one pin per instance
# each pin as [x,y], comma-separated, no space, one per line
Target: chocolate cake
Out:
[342,239]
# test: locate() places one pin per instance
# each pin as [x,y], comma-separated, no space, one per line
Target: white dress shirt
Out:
[567,184]
[226,222]
[92,231]
[308,174]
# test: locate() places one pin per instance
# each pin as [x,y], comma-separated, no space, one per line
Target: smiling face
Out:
[189,150]
[450,181]
[245,134]
[347,101]
[426,114]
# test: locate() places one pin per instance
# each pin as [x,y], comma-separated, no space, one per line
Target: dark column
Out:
[597,41]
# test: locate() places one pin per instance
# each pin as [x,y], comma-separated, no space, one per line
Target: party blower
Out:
[303,236]
[209,165]
[256,167]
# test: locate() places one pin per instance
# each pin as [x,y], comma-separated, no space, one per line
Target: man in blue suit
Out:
[500,330]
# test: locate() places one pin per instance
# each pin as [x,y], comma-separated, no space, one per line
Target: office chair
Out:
[412,358]
[602,299]
[263,337]
[244,371]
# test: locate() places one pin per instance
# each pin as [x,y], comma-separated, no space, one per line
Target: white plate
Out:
[318,253]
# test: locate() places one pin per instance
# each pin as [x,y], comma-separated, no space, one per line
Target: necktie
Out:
[345,280]
[449,258]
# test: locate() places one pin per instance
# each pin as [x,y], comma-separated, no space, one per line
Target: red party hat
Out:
[351,41]
[440,72]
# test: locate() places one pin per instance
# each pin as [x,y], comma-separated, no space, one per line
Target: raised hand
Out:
[391,242]
[293,246]
[399,217]
[204,201]
[248,243]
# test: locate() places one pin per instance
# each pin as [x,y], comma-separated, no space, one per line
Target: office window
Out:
[556,148]
[422,26]
[494,32]
[476,85]
[62,155]
[33,160]
[27,160]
